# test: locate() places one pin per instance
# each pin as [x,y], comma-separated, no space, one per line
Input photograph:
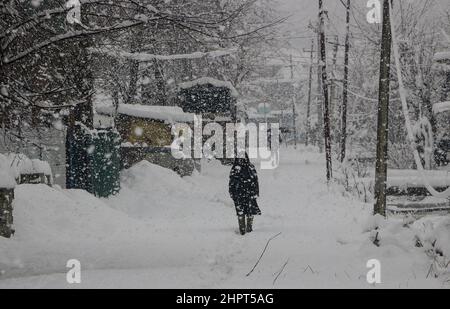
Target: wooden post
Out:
[6,212]
[383,114]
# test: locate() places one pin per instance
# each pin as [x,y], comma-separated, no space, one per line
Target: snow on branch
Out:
[442,107]
[66,36]
[145,57]
[171,114]
[442,56]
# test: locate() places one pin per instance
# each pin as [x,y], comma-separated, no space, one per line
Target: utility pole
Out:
[308,106]
[326,116]
[383,114]
[294,122]
[345,91]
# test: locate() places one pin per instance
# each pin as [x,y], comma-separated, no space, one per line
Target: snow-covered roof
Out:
[164,113]
[441,107]
[210,81]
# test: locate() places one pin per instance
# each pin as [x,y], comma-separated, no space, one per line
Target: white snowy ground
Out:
[166,232]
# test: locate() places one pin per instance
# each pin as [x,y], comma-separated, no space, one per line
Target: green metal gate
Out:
[93,161]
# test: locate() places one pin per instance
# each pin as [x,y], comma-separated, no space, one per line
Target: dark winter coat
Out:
[244,187]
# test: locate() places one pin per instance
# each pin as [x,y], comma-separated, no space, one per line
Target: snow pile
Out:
[442,107]
[426,238]
[210,81]
[53,226]
[146,188]
[154,192]
[405,244]
[433,235]
[169,114]
[442,236]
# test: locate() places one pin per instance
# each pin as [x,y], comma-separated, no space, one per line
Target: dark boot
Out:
[241,220]
[249,224]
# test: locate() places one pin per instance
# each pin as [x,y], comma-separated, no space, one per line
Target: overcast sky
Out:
[304,11]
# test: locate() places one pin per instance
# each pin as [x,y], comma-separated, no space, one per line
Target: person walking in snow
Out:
[244,190]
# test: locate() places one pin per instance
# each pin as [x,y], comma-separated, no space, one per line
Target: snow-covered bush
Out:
[434,236]
[352,175]
[424,135]
[400,156]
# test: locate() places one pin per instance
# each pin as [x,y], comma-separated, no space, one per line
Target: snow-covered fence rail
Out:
[406,189]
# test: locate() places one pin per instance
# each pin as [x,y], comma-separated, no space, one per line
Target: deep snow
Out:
[162,231]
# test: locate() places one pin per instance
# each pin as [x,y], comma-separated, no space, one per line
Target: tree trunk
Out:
[345,91]
[383,114]
[6,212]
[326,116]
[319,98]
[308,106]
[333,99]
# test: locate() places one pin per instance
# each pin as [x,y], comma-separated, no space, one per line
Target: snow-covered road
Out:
[167,232]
